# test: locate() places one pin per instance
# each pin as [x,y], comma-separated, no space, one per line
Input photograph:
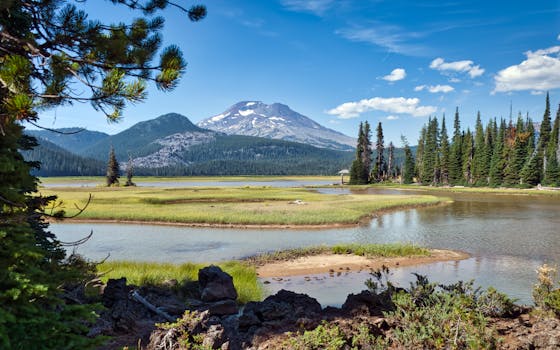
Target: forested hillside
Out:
[56,161]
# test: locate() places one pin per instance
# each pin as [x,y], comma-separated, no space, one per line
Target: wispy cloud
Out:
[392,38]
[316,7]
[396,75]
[434,89]
[399,105]
[540,71]
[464,66]
[392,117]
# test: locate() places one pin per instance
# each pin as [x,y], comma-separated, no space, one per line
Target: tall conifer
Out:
[497,163]
[391,161]
[456,157]
[444,152]
[408,167]
[467,153]
[379,166]
[479,155]
[113,171]
[357,168]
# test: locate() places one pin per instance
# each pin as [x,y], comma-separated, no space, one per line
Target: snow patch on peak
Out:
[250,104]
[218,117]
[246,112]
[277,118]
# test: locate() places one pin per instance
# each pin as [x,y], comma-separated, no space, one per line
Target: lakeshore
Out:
[332,263]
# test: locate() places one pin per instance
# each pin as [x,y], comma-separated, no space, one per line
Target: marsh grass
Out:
[154,274]
[101,179]
[367,250]
[232,206]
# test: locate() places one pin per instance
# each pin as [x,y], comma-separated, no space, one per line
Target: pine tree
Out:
[430,156]
[444,151]
[391,161]
[53,55]
[544,135]
[552,172]
[379,166]
[408,167]
[456,157]
[489,140]
[420,154]
[518,156]
[367,152]
[479,156]
[113,171]
[467,153]
[357,169]
[532,170]
[497,163]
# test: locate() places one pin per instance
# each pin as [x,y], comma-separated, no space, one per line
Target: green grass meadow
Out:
[150,273]
[228,205]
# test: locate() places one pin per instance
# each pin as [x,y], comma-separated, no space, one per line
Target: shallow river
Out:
[507,236]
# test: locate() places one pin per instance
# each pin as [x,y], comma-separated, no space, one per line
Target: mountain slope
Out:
[276,121]
[247,155]
[139,139]
[56,161]
[74,139]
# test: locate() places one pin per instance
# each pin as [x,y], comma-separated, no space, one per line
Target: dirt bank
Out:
[325,263]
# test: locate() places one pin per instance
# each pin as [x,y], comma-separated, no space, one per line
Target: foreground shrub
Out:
[330,337]
[432,316]
[545,295]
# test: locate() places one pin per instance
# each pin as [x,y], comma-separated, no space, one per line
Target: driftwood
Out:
[136,296]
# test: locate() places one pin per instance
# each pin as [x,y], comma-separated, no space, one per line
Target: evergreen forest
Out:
[501,153]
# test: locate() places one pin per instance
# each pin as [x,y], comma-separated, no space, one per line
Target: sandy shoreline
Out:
[325,263]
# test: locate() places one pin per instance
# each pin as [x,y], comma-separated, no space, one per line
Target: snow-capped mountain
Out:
[276,121]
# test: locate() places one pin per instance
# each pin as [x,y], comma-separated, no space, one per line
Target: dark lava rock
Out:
[215,284]
[365,302]
[223,307]
[115,290]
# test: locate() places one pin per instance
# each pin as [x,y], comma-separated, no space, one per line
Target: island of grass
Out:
[245,273]
[232,207]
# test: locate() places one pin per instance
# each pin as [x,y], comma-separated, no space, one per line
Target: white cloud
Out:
[540,71]
[396,74]
[434,89]
[390,37]
[465,66]
[537,92]
[454,80]
[317,7]
[399,105]
[392,117]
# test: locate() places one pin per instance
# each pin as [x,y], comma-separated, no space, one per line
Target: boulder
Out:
[283,309]
[115,290]
[215,284]
[223,307]
[546,334]
[363,303]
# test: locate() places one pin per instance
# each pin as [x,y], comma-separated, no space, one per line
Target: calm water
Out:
[507,236]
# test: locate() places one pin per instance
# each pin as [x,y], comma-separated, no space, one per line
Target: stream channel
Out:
[507,236]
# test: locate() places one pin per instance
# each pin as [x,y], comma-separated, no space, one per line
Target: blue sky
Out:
[342,62]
